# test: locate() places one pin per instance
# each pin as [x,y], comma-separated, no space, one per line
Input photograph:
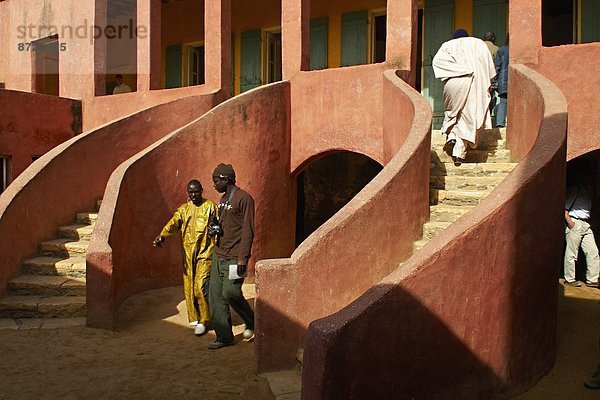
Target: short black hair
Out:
[490,36]
[195,182]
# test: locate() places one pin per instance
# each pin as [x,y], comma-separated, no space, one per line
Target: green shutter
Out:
[438,26]
[173,66]
[250,63]
[354,38]
[590,21]
[318,43]
[490,15]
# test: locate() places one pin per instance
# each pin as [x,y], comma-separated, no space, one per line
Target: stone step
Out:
[419,244]
[469,169]
[446,213]
[464,182]
[44,307]
[87,218]
[47,285]
[66,266]
[78,231]
[456,197]
[474,156]
[432,228]
[65,246]
[486,138]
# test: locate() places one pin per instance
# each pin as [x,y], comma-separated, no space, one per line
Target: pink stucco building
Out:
[290,92]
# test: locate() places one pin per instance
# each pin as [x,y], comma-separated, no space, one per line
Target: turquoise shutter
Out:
[173,66]
[318,43]
[438,27]
[490,15]
[354,38]
[250,63]
[590,21]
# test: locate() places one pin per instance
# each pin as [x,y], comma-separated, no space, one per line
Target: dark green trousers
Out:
[224,292]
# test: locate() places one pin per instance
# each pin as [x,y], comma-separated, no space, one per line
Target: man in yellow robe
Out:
[192,219]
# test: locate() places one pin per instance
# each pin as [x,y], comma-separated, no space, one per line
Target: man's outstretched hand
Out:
[157,242]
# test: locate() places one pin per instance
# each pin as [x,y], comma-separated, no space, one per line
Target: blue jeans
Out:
[501,111]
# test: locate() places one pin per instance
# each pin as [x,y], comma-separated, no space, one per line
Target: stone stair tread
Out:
[438,224]
[474,156]
[47,265]
[87,217]
[76,231]
[50,281]
[29,306]
[472,169]
[464,182]
[69,245]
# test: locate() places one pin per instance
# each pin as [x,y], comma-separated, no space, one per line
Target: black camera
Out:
[215,229]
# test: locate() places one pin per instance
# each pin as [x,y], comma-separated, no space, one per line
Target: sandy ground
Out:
[153,354]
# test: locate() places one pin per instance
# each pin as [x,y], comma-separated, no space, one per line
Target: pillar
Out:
[401,45]
[295,36]
[217,44]
[100,48]
[525,29]
[148,44]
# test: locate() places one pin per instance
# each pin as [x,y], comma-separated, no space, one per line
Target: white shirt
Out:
[121,88]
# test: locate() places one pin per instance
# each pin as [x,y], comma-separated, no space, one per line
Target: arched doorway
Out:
[328,184]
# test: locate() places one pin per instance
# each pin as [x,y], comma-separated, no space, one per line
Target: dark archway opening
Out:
[584,170]
[328,184]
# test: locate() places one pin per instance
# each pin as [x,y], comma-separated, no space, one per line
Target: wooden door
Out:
[438,28]
[590,21]
[173,66]
[490,15]
[250,73]
[318,43]
[354,38]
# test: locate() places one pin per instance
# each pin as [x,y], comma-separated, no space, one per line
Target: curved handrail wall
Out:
[476,307]
[250,131]
[335,264]
[72,176]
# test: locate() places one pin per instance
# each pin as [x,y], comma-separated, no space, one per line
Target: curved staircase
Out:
[53,284]
[455,190]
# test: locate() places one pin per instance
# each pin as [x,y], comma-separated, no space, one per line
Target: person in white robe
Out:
[466,68]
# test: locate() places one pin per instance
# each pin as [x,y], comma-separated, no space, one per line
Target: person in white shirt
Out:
[121,86]
[578,205]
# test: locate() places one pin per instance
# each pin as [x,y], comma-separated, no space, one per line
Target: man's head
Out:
[489,37]
[223,176]
[460,33]
[194,189]
[119,79]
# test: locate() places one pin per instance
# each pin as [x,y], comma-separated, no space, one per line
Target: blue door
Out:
[438,28]
[354,38]
[173,66]
[590,21]
[490,15]
[318,43]
[251,60]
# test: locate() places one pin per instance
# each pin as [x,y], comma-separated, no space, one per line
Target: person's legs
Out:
[232,292]
[219,308]
[460,149]
[501,111]
[188,292]
[588,245]
[573,239]
[201,284]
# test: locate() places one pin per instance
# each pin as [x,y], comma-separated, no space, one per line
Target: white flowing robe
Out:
[466,68]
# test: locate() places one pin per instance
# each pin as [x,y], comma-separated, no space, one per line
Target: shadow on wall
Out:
[476,307]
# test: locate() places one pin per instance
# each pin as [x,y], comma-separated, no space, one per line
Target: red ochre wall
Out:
[476,308]
[251,132]
[358,245]
[32,124]
[573,69]
[74,174]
